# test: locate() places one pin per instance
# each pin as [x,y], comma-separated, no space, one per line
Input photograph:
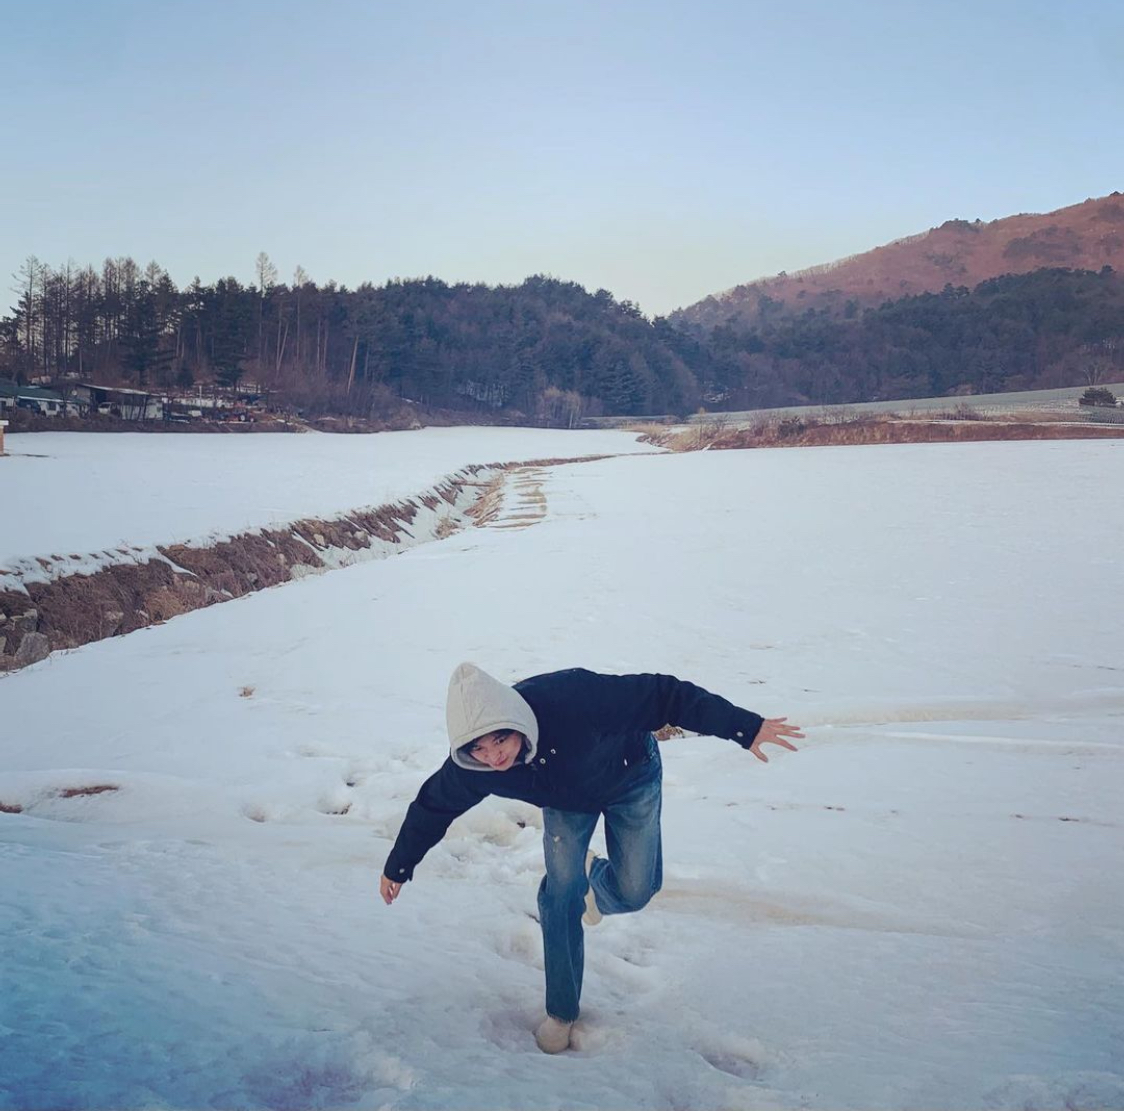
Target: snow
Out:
[70,495]
[920,909]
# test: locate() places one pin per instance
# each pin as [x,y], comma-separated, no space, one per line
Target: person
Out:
[580,745]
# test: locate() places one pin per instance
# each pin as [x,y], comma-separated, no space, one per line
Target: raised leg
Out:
[634,871]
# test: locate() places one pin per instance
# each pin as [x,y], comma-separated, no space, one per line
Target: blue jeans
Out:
[623,883]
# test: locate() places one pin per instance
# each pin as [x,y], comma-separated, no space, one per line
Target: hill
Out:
[1049,328]
[1086,236]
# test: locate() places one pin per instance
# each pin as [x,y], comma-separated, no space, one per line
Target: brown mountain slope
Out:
[1083,236]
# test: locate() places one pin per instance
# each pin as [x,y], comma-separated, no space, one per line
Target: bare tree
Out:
[267,279]
[267,273]
[29,309]
[300,280]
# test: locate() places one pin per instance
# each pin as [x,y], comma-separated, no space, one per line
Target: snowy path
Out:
[516,500]
[921,909]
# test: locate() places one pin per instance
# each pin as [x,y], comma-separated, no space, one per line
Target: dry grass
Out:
[491,498]
[82,792]
[696,438]
[649,431]
[961,412]
[64,793]
[881,429]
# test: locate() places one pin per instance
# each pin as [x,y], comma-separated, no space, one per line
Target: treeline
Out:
[545,350]
[1044,329]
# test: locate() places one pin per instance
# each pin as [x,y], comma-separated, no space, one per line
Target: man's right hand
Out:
[389,889]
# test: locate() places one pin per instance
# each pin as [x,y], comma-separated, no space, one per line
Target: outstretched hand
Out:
[774,731]
[389,889]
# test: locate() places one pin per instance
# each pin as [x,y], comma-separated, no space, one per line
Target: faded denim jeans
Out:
[623,883]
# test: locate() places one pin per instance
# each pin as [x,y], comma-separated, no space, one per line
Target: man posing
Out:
[579,745]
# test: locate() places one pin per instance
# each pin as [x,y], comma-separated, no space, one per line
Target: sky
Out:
[662,150]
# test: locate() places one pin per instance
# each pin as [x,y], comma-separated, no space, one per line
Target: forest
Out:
[545,351]
[1044,329]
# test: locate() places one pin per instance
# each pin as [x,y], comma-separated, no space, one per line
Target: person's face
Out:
[498,750]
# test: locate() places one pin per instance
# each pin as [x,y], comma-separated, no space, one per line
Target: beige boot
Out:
[591,915]
[553,1036]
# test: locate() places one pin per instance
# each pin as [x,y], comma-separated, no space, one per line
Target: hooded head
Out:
[478,704]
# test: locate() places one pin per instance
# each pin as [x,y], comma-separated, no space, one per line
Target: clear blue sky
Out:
[663,150]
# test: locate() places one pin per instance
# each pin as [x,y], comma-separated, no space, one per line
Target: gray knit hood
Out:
[478,704]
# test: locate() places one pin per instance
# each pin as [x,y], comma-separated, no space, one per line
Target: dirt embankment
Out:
[40,616]
[810,432]
[910,432]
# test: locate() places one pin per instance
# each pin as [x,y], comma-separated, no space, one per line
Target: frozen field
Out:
[920,909]
[67,492]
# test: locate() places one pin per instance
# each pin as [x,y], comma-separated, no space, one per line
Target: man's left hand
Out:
[775,731]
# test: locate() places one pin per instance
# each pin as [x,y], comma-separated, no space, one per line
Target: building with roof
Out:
[36,399]
[119,401]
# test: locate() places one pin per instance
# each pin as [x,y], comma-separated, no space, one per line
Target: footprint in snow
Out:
[623,971]
[595,1034]
[522,944]
[387,826]
[497,827]
[732,1064]
[511,1029]
[318,1080]
[741,1057]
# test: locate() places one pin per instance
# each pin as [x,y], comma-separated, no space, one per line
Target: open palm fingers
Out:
[775,731]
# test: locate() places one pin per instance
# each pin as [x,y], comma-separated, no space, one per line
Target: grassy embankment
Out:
[958,426]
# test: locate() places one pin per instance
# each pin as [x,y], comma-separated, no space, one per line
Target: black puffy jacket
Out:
[591,727]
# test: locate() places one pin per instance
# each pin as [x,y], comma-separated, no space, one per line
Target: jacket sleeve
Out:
[652,701]
[446,795]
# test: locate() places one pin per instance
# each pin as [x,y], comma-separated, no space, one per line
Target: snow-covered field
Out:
[920,909]
[85,495]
